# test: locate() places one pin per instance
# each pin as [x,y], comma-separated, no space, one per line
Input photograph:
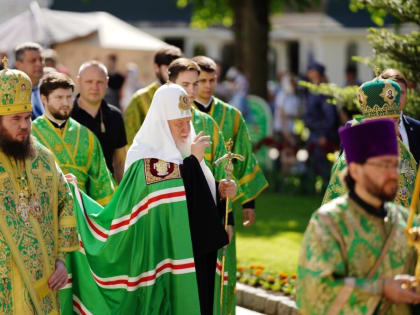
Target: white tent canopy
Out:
[49,27]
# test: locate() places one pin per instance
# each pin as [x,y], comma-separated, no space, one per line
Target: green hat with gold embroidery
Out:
[379,99]
[15,91]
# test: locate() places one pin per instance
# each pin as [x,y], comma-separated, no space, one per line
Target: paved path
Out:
[244,311]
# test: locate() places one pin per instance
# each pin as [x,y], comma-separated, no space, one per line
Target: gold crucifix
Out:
[229,156]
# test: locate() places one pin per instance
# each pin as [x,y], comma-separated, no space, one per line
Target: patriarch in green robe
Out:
[355,258]
[378,99]
[37,225]
[152,249]
[201,122]
[76,148]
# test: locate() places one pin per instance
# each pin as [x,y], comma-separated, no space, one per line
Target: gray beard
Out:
[184,148]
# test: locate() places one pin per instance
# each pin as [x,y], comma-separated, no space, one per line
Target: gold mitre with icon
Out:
[15,91]
[379,98]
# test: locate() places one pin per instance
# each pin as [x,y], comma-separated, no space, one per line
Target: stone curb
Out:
[261,301]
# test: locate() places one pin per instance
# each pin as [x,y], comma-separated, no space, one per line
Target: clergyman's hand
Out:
[199,145]
[227,189]
[70,178]
[396,294]
[249,216]
[59,278]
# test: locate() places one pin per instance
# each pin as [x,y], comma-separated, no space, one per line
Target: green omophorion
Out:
[136,253]
[77,151]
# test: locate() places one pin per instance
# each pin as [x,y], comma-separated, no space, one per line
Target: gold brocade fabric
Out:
[343,242]
[37,226]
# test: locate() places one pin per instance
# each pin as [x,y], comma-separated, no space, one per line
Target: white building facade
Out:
[315,34]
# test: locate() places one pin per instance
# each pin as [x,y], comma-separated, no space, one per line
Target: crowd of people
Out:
[145,209]
[292,104]
[141,227]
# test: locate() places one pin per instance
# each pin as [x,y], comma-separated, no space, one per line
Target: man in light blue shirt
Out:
[29,60]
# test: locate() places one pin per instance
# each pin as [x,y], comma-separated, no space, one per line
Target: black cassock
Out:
[207,230]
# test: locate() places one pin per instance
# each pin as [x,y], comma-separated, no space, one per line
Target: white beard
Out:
[184,147]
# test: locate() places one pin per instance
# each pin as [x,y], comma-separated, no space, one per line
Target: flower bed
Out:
[255,276]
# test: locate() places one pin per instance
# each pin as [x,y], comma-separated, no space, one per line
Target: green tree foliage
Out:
[250,24]
[403,10]
[208,13]
[342,97]
[347,97]
[391,50]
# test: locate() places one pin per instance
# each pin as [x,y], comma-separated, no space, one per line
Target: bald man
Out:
[105,120]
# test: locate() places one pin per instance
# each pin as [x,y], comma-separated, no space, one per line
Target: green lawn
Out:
[274,239]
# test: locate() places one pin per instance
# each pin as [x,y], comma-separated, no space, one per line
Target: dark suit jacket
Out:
[412,127]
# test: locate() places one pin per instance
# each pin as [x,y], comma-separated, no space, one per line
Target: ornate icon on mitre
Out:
[184,103]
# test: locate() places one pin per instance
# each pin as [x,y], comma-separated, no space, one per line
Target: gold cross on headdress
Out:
[5,62]
[376,70]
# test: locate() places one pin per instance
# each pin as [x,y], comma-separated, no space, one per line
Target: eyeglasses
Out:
[386,166]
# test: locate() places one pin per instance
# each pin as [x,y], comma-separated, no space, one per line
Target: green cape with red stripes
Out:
[136,253]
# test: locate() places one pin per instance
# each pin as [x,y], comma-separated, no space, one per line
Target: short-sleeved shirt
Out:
[114,136]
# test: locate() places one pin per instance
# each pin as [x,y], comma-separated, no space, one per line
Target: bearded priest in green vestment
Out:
[379,98]
[355,258]
[152,249]
[37,225]
[76,148]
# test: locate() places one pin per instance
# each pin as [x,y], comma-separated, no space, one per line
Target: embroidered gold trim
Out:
[377,111]
[184,104]
[151,179]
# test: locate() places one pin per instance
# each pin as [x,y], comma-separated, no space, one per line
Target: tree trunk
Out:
[237,27]
[251,27]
